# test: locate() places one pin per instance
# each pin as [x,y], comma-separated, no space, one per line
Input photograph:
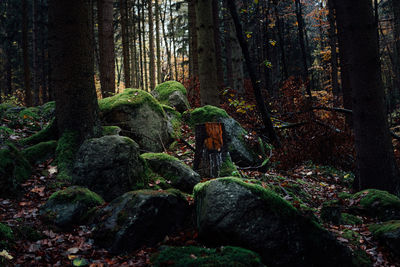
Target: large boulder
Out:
[109,166]
[173,94]
[389,234]
[140,117]
[377,203]
[230,211]
[71,206]
[14,169]
[178,173]
[140,218]
[174,121]
[240,152]
[205,257]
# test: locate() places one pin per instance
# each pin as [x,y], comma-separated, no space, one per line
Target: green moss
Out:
[228,168]
[14,169]
[197,256]
[50,132]
[6,236]
[159,156]
[175,118]
[40,152]
[32,113]
[130,97]
[66,150]
[164,90]
[371,196]
[206,114]
[5,106]
[276,204]
[349,219]
[352,236]
[381,228]
[344,195]
[48,109]
[111,130]
[75,194]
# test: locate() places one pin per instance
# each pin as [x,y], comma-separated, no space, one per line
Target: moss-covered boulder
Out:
[14,169]
[140,218]
[140,116]
[110,130]
[6,236]
[109,166]
[173,94]
[389,234]
[48,110]
[40,152]
[174,121]
[206,257]
[178,173]
[71,206]
[240,152]
[377,203]
[230,211]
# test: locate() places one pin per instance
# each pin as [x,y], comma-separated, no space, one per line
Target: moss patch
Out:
[48,109]
[197,256]
[6,236]
[206,114]
[371,197]
[130,97]
[14,169]
[228,168]
[75,194]
[40,152]
[110,130]
[159,156]
[349,219]
[50,132]
[277,204]
[66,150]
[382,228]
[164,90]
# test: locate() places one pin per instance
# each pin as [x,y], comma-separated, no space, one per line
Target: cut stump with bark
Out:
[211,149]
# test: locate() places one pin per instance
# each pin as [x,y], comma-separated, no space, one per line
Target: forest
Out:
[200,133]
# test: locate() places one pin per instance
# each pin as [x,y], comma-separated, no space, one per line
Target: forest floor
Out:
[42,245]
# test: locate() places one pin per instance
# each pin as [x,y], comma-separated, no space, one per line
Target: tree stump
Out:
[211,149]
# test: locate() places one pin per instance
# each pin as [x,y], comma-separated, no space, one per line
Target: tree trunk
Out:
[125,42]
[35,53]
[194,62]
[173,40]
[375,162]
[141,46]
[72,61]
[334,56]
[396,33]
[281,41]
[27,72]
[152,66]
[206,53]
[146,87]
[132,37]
[106,47]
[158,42]
[217,40]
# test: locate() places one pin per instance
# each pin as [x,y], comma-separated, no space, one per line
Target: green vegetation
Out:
[48,109]
[382,228]
[349,219]
[228,168]
[66,150]
[370,197]
[130,97]
[164,90]
[159,156]
[198,256]
[50,132]
[6,236]
[40,152]
[110,130]
[205,114]
[75,194]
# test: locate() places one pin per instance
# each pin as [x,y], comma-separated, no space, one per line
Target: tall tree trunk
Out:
[106,47]
[125,42]
[173,39]
[72,58]
[334,56]
[396,33]
[152,66]
[301,33]
[206,52]
[228,28]
[141,46]
[158,42]
[194,62]
[269,128]
[146,87]
[375,163]
[35,53]
[281,41]
[25,47]
[217,40]
[132,42]
[169,68]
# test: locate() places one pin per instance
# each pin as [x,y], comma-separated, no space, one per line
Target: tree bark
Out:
[281,41]
[72,61]
[206,53]
[194,62]
[152,65]
[217,40]
[106,47]
[375,162]
[396,32]
[158,42]
[125,42]
[27,71]
[332,42]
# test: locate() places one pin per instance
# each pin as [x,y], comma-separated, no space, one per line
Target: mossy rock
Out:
[6,236]
[173,170]
[272,226]
[40,152]
[48,110]
[110,130]
[31,113]
[239,150]
[378,203]
[228,168]
[174,122]
[50,132]
[173,94]
[14,169]
[350,219]
[70,206]
[140,218]
[202,257]
[5,106]
[389,234]
[140,116]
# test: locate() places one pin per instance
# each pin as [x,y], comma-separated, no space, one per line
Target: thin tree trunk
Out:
[35,53]
[166,43]
[194,62]
[106,47]
[334,56]
[173,39]
[140,45]
[396,33]
[228,23]
[146,87]
[158,42]
[125,42]
[217,40]
[281,41]
[152,66]
[27,72]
